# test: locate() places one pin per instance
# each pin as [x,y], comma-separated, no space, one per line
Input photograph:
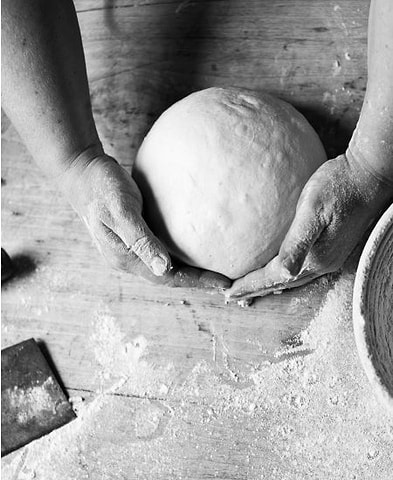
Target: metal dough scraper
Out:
[32,401]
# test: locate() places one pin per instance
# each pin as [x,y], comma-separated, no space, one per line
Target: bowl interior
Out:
[373,308]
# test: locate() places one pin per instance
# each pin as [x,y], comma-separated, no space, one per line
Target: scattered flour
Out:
[30,401]
[310,416]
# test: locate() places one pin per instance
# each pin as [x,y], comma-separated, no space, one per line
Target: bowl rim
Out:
[367,259]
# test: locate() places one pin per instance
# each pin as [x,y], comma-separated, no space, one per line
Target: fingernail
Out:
[287,263]
[234,294]
[159,266]
[292,266]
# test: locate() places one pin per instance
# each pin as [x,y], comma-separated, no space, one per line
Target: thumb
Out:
[302,234]
[141,241]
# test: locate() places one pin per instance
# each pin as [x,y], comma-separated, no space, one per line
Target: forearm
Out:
[372,142]
[45,91]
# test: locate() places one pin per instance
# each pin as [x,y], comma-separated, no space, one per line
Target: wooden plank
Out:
[146,55]
[67,287]
[141,57]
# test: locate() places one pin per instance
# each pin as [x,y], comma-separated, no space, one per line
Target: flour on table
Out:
[310,416]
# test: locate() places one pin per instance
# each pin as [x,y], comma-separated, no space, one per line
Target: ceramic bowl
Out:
[373,309]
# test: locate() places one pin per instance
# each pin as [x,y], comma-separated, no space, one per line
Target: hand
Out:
[109,202]
[336,207]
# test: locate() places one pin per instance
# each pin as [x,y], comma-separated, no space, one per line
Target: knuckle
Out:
[143,247]
[311,202]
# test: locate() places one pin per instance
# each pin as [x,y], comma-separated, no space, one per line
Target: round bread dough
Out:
[221,172]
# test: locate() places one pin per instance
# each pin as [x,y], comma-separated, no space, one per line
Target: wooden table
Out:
[141,56]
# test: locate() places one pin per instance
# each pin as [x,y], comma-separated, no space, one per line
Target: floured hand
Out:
[109,202]
[336,207]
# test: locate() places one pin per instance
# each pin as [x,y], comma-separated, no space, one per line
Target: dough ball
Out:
[221,172]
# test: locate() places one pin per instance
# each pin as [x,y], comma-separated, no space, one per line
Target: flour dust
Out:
[310,415]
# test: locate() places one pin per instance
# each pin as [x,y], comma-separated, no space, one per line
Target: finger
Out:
[306,227]
[117,254]
[114,250]
[260,282]
[269,279]
[190,277]
[264,290]
[140,241]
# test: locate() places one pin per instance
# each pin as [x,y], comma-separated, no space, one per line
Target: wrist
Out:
[82,172]
[77,162]
[374,187]
[371,146]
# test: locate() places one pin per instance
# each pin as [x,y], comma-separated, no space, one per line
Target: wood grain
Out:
[141,57]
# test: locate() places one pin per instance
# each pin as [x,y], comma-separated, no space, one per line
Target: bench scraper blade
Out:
[32,401]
